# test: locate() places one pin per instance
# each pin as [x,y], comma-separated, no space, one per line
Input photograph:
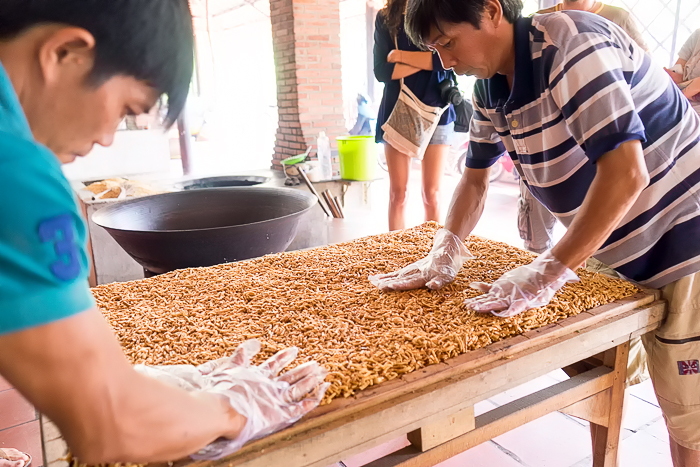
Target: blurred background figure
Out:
[686,71]
[396,58]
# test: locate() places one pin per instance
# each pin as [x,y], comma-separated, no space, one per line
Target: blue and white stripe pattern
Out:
[581,88]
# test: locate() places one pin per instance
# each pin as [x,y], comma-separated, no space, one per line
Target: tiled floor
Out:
[556,440]
[19,424]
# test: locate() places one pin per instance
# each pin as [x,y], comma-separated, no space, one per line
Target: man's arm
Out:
[614,144]
[75,372]
[449,253]
[620,177]
[468,202]
[485,149]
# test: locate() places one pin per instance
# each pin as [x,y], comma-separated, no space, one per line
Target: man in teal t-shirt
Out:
[69,72]
[43,263]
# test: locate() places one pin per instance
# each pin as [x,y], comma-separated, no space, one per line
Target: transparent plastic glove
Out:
[194,378]
[523,288]
[434,271]
[269,401]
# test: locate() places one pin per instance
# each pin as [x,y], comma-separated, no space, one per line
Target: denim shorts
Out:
[444,134]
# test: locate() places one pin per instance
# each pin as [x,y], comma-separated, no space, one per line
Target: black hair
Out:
[150,40]
[393,15]
[423,15]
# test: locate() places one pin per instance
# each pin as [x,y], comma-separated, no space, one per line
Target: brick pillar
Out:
[306,41]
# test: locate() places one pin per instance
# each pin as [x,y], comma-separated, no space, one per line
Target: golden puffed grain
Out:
[321,301]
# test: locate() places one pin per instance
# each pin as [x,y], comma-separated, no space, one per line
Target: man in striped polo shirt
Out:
[604,139]
[535,222]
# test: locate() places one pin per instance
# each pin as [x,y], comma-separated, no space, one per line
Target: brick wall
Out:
[306,40]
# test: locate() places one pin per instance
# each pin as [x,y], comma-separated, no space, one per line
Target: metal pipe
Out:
[675,33]
[183,132]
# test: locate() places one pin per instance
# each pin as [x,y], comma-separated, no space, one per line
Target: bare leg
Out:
[399,166]
[432,171]
[684,457]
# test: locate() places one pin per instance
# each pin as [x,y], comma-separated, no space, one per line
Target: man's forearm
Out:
[75,372]
[621,176]
[161,423]
[468,202]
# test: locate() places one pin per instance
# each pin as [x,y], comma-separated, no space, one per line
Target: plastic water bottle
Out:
[323,152]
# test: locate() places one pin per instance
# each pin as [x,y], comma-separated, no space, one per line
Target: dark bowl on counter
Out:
[205,227]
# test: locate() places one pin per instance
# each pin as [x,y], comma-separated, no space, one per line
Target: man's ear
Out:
[66,50]
[493,12]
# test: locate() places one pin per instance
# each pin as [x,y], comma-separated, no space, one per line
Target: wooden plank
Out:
[330,436]
[502,419]
[429,436]
[594,409]
[606,439]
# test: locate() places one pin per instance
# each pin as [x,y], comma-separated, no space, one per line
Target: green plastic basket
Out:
[358,157]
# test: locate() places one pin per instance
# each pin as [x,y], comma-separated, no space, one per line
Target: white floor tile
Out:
[658,430]
[644,450]
[483,455]
[638,413]
[644,391]
[551,441]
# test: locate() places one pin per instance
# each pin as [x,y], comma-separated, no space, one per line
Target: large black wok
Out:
[220,182]
[205,227]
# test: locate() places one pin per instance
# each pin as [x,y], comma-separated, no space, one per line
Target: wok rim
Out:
[300,194]
[183,184]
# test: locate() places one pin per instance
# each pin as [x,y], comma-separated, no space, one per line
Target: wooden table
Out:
[435,406]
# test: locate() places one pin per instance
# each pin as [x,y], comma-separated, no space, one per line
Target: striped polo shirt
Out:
[581,88]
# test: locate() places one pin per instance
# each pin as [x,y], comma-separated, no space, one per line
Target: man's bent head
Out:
[474,37]
[80,66]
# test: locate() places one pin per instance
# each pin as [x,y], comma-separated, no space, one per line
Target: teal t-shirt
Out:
[43,258]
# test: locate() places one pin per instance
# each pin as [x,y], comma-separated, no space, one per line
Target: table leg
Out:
[606,439]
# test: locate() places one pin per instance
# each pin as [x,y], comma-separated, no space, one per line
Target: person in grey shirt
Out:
[617,15]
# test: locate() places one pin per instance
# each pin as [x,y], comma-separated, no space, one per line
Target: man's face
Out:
[471,51]
[75,115]
[465,49]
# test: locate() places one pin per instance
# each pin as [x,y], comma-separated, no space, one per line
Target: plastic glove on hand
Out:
[269,401]
[523,288]
[439,268]
[194,378]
